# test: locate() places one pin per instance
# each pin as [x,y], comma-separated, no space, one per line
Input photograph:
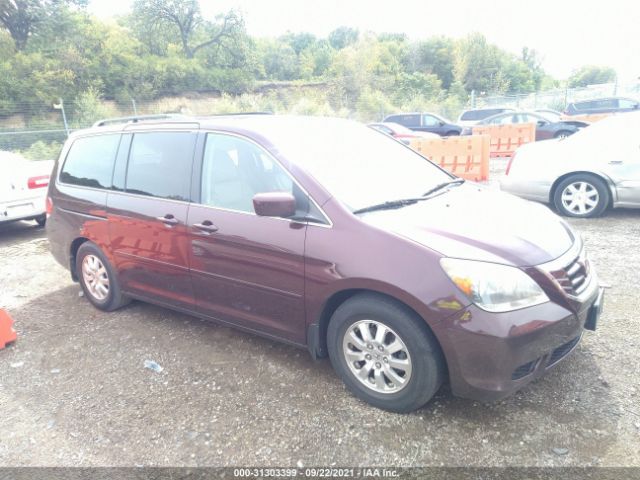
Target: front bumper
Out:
[491,355]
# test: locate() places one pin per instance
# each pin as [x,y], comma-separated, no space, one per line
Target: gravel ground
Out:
[74,390]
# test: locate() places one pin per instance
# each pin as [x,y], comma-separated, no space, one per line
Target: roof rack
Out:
[232,114]
[138,118]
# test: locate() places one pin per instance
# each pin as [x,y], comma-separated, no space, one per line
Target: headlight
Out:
[494,287]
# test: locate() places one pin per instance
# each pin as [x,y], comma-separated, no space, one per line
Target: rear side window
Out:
[160,164]
[481,114]
[406,120]
[90,161]
[597,104]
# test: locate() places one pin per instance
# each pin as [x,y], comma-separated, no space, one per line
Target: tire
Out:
[562,134]
[426,366]
[41,220]
[581,195]
[100,270]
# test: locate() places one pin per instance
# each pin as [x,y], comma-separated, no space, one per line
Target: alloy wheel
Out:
[377,356]
[95,277]
[580,198]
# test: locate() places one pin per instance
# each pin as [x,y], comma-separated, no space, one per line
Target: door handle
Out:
[616,162]
[206,227]
[168,219]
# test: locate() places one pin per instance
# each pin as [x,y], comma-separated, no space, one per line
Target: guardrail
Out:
[505,139]
[466,157]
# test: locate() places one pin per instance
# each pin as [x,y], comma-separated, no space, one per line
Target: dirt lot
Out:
[74,390]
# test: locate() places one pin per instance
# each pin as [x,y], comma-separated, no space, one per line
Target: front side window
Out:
[430,121]
[160,164]
[627,103]
[90,161]
[234,170]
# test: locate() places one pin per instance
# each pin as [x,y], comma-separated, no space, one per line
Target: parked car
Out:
[473,116]
[425,122]
[545,128]
[401,133]
[583,175]
[602,105]
[550,114]
[357,248]
[23,188]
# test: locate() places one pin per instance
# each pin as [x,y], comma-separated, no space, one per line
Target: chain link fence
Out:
[559,98]
[37,130]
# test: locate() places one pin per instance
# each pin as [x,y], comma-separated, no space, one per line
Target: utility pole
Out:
[60,107]
[135,110]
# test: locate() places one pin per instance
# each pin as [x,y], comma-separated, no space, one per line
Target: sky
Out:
[566,33]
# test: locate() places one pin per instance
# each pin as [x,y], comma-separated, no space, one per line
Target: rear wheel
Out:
[581,195]
[562,134]
[384,353]
[98,279]
[41,220]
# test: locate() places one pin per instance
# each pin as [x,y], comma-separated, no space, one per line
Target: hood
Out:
[477,223]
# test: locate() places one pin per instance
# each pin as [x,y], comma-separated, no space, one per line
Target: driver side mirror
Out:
[541,123]
[274,204]
[441,123]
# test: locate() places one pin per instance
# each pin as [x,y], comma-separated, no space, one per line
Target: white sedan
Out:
[23,188]
[584,174]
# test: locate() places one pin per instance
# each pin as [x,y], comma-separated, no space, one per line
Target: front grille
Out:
[524,370]
[560,352]
[573,278]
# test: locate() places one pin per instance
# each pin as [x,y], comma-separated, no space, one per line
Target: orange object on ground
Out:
[587,117]
[505,139]
[466,156]
[7,333]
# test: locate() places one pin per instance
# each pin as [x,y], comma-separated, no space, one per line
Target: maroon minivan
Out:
[329,235]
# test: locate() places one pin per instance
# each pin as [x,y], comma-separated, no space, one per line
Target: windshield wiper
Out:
[440,186]
[389,205]
[408,201]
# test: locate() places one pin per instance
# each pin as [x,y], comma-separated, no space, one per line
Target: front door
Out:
[246,269]
[148,216]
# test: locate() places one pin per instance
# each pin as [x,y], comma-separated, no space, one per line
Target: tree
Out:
[436,56]
[185,19]
[342,37]
[21,18]
[591,75]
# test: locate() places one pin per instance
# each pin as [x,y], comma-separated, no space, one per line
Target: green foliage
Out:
[342,37]
[42,151]
[591,75]
[167,49]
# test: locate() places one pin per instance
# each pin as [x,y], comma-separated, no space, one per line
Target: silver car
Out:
[582,175]
[23,188]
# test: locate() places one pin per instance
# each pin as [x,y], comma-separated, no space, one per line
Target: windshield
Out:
[356,164]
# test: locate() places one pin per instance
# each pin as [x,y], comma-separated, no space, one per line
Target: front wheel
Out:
[581,195]
[384,353]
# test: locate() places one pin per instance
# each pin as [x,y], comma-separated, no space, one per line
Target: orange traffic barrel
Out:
[7,333]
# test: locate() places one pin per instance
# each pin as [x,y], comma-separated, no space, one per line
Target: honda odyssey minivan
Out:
[322,233]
